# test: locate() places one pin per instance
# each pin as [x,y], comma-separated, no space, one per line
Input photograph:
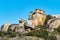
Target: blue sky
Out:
[13,10]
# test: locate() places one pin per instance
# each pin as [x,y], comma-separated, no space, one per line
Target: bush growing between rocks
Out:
[42,27]
[8,34]
[1,33]
[12,34]
[38,33]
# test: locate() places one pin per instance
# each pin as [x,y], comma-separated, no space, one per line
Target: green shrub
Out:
[11,34]
[42,26]
[8,34]
[1,34]
[38,33]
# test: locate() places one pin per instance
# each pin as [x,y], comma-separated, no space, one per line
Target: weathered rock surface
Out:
[22,38]
[12,27]
[38,17]
[53,23]
[5,27]
[58,37]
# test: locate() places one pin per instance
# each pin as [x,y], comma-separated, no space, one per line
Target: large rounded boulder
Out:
[53,23]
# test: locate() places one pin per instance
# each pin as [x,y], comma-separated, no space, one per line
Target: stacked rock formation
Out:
[38,17]
[20,27]
[13,27]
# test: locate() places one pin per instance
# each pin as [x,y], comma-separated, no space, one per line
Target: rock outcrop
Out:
[20,27]
[53,23]
[5,27]
[36,23]
[38,16]
[12,27]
